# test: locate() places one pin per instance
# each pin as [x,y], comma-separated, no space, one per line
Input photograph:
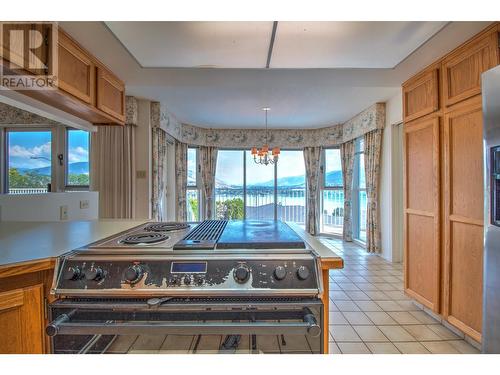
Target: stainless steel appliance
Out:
[246,286]
[491,286]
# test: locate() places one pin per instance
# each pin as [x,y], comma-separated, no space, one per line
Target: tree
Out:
[193,202]
[78,179]
[28,180]
[231,209]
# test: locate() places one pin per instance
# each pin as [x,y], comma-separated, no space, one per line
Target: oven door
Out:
[195,325]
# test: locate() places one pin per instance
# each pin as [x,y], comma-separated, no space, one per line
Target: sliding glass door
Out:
[260,185]
[244,189]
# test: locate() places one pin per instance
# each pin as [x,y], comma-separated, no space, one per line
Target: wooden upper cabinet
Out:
[462,69]
[464,216]
[421,95]
[21,321]
[76,70]
[422,210]
[110,94]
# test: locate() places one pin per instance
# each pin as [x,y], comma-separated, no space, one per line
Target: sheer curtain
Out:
[112,170]
[159,162]
[181,179]
[347,158]
[312,157]
[208,161]
[373,146]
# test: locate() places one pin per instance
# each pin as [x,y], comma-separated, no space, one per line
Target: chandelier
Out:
[263,155]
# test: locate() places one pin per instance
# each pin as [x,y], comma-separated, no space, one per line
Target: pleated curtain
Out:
[373,146]
[347,159]
[208,161]
[312,157]
[181,180]
[159,162]
[112,170]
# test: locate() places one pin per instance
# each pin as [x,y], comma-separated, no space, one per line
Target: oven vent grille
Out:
[204,236]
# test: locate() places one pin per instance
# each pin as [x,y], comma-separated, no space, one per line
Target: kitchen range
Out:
[218,286]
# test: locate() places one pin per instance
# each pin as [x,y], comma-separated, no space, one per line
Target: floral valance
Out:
[370,119]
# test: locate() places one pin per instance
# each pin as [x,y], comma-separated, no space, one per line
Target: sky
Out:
[24,145]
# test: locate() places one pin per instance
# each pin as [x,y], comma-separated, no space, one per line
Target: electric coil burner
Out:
[145,238]
[219,286]
[166,227]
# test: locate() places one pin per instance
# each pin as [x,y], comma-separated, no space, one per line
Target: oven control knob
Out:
[187,280]
[241,274]
[94,273]
[198,280]
[280,273]
[133,274]
[303,272]
[72,273]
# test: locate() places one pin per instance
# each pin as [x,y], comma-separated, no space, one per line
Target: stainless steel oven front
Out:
[187,325]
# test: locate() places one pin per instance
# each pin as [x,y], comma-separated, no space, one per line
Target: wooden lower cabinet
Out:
[463,217]
[421,210]
[22,320]
[24,293]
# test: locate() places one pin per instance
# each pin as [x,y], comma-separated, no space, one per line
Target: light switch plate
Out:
[140,174]
[84,204]
[63,212]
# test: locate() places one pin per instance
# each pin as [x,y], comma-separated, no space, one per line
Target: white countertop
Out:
[28,241]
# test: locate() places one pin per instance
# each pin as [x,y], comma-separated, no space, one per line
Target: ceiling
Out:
[296,45]
[361,63]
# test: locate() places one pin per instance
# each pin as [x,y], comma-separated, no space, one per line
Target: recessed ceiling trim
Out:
[271,44]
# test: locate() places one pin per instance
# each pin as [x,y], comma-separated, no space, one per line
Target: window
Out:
[291,187]
[260,185]
[193,192]
[332,195]
[29,161]
[359,192]
[229,185]
[77,165]
[244,189]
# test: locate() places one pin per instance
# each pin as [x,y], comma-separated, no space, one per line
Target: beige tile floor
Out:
[369,313]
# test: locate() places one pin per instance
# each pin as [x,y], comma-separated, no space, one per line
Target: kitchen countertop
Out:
[22,242]
[31,241]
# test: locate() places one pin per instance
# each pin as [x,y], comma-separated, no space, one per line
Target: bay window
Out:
[193,205]
[332,193]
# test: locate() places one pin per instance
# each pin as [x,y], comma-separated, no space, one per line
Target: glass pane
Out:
[191,166]
[333,168]
[260,189]
[192,205]
[229,185]
[362,216]
[78,158]
[362,181]
[332,217]
[29,161]
[291,204]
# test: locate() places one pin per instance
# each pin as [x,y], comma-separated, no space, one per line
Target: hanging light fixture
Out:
[263,155]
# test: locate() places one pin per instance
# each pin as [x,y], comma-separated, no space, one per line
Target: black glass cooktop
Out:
[259,234]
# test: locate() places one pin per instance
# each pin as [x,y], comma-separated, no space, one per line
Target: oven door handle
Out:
[63,325]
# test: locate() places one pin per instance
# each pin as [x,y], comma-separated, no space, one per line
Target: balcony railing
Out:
[332,216]
[27,190]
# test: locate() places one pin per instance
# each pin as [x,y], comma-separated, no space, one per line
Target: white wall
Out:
[390,187]
[143,161]
[46,207]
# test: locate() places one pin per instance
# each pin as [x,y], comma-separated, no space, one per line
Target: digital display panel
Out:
[188,267]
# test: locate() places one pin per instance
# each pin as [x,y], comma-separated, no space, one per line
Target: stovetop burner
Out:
[166,227]
[146,238]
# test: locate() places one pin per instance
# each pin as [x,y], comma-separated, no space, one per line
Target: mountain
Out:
[333,178]
[81,167]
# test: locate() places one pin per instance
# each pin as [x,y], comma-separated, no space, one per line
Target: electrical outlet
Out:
[84,204]
[63,212]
